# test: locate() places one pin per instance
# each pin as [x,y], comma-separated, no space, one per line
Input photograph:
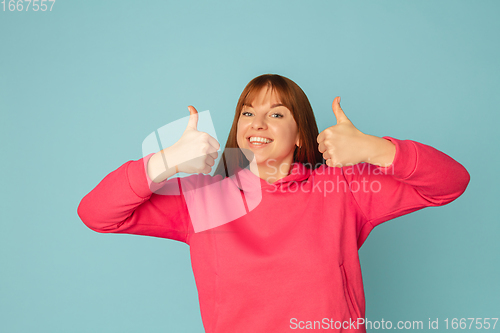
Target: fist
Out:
[196,151]
[342,144]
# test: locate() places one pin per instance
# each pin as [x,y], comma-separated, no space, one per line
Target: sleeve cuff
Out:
[139,180]
[405,159]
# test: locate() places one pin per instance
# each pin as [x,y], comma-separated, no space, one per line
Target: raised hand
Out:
[196,151]
[343,144]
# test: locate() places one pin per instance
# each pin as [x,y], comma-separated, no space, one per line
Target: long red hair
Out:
[291,96]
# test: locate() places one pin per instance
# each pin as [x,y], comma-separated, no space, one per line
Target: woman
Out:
[274,234]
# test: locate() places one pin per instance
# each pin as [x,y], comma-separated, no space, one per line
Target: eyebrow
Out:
[272,106]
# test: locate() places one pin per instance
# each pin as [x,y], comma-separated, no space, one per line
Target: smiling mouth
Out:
[258,143]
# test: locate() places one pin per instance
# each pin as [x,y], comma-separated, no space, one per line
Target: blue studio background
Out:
[83,85]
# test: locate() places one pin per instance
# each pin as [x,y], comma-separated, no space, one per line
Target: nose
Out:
[259,122]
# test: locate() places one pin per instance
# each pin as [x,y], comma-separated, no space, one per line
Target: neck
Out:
[271,172]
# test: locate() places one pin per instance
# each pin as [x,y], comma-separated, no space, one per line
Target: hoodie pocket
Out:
[351,302]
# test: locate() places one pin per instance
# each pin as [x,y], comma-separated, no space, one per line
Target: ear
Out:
[297,142]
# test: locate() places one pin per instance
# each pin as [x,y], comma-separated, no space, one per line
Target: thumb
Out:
[193,118]
[338,112]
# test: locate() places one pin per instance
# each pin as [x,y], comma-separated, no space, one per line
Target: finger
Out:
[326,155]
[332,164]
[210,149]
[212,152]
[214,155]
[193,118]
[207,169]
[321,137]
[321,148]
[213,143]
[210,160]
[338,112]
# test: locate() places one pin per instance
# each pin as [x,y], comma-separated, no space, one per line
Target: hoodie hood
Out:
[245,180]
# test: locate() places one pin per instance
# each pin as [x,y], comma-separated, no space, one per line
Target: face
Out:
[267,118]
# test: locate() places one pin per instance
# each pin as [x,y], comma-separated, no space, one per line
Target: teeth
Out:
[257,139]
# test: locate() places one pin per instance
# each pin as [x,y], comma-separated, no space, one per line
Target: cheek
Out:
[241,127]
[240,132]
[288,133]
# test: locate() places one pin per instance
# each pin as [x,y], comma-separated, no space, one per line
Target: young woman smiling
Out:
[274,233]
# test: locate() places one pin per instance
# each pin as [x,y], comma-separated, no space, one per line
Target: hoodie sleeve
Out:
[420,176]
[124,202]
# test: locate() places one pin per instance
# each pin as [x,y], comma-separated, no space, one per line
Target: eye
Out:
[279,115]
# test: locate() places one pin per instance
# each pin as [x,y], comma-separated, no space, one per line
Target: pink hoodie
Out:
[276,257]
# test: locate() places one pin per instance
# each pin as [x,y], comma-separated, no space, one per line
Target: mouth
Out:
[258,143]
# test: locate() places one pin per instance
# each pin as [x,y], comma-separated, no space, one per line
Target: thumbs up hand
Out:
[196,151]
[343,144]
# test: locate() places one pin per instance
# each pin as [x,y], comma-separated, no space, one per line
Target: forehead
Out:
[262,96]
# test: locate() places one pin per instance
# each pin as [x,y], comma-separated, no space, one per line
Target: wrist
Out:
[161,167]
[381,151]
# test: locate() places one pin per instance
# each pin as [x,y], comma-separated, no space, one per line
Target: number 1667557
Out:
[25,5]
